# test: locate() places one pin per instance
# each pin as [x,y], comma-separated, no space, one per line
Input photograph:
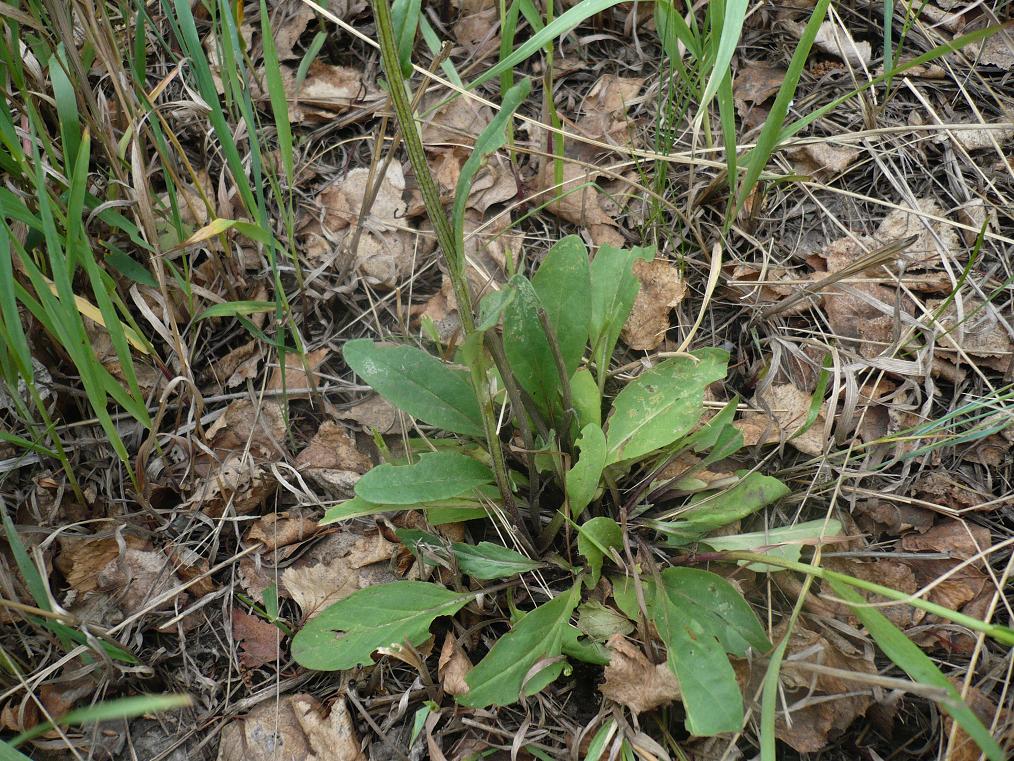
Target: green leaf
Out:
[235,309]
[461,509]
[492,307]
[8,753]
[595,538]
[662,404]
[601,622]
[713,510]
[914,662]
[499,677]
[563,282]
[583,478]
[375,617]
[701,617]
[584,393]
[613,291]
[419,384]
[577,645]
[486,560]
[524,342]
[732,26]
[711,694]
[405,14]
[438,475]
[788,540]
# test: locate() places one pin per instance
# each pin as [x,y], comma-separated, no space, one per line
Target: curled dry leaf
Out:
[327,90]
[337,567]
[332,459]
[756,81]
[257,427]
[477,31]
[634,681]
[823,159]
[276,530]
[236,367]
[577,199]
[373,413]
[239,484]
[820,706]
[789,409]
[935,240]
[998,50]
[386,249]
[604,110]
[257,639]
[662,288]
[295,728]
[834,40]
[297,376]
[979,330]
[453,667]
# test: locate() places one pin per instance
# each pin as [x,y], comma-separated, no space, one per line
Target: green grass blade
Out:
[914,662]
[122,708]
[276,93]
[732,27]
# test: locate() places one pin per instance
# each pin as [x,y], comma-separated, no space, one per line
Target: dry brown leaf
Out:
[834,40]
[477,30]
[337,567]
[257,639]
[604,109]
[998,50]
[581,201]
[236,367]
[276,530]
[893,518]
[789,408]
[889,573]
[942,488]
[373,413]
[80,560]
[386,249]
[756,81]
[935,239]
[821,707]
[453,667]
[257,427]
[958,539]
[983,136]
[662,288]
[980,331]
[332,459]
[823,159]
[296,373]
[239,484]
[294,728]
[634,681]
[327,90]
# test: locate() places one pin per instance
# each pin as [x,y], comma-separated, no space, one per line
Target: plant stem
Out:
[445,239]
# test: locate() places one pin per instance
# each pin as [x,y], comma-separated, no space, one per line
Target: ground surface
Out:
[169,552]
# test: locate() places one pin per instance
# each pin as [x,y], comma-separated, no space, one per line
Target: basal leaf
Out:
[720,607]
[347,633]
[486,560]
[662,404]
[563,282]
[711,694]
[595,539]
[613,291]
[583,478]
[584,393]
[786,542]
[524,342]
[462,508]
[914,662]
[499,677]
[437,476]
[419,384]
[701,617]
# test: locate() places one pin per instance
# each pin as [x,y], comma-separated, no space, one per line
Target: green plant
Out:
[590,460]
